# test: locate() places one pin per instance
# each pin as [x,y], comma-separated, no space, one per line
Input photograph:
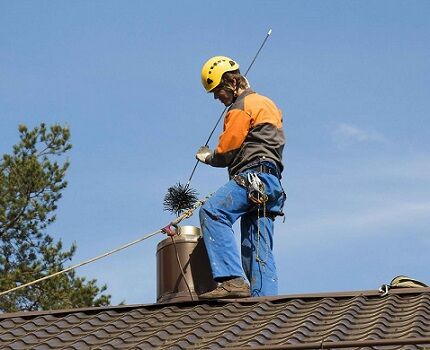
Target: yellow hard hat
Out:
[213,70]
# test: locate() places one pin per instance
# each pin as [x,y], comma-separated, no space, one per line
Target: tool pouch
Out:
[254,187]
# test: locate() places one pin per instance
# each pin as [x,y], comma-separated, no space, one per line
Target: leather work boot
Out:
[234,288]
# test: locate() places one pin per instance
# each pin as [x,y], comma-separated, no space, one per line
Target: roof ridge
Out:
[251,300]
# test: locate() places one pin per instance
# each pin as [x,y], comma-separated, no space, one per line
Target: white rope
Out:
[82,263]
[185,215]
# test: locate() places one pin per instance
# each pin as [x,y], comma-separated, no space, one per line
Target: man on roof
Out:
[251,147]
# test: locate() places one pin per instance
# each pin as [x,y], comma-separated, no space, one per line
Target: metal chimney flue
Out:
[189,247]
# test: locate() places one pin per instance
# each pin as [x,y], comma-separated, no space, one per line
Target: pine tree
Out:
[32,178]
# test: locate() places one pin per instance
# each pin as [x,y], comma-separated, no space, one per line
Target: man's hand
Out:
[203,153]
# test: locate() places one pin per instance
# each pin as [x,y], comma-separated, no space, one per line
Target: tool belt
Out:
[261,168]
[254,187]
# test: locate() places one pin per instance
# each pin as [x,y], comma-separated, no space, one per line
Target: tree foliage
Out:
[32,178]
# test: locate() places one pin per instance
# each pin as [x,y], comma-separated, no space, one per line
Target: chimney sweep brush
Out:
[181,197]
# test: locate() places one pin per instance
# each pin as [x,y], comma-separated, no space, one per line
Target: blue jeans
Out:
[255,262]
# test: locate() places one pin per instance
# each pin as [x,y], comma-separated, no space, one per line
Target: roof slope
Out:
[330,320]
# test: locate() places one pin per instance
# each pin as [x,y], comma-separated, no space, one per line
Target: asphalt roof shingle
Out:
[400,319]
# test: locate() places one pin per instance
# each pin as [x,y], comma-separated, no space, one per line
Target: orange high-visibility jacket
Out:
[252,133]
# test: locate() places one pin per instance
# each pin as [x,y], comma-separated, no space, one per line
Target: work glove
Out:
[203,153]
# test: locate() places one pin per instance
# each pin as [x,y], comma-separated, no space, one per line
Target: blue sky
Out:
[351,77]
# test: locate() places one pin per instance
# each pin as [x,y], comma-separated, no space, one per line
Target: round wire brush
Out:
[179,198]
